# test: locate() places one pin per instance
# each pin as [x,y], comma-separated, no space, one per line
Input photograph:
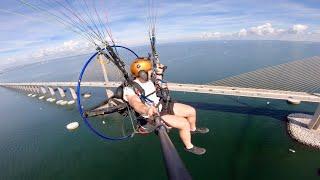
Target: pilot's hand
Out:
[160,69]
[152,111]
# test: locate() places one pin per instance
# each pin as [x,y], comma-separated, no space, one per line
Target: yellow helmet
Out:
[140,64]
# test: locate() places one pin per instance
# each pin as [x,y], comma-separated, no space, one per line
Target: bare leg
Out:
[182,125]
[187,112]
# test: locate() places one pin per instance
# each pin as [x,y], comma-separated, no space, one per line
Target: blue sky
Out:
[28,35]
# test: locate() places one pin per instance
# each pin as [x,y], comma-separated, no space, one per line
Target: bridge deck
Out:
[208,89]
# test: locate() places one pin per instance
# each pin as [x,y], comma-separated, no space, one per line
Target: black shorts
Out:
[168,110]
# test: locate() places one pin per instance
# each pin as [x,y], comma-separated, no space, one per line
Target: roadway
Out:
[207,89]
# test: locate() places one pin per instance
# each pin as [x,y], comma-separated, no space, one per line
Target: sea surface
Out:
[247,139]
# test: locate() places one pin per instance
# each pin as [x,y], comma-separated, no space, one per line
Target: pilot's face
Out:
[149,74]
[149,77]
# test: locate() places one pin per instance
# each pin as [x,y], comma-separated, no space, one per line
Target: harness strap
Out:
[151,93]
[145,98]
[141,93]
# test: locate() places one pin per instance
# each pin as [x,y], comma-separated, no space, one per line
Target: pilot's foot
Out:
[201,130]
[196,150]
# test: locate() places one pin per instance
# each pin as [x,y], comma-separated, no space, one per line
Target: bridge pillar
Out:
[37,89]
[315,122]
[43,90]
[34,89]
[73,93]
[61,92]
[103,63]
[51,91]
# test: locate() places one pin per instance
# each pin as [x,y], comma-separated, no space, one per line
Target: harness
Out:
[140,92]
[145,127]
[161,92]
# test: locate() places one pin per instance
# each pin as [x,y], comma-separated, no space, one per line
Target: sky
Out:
[30,30]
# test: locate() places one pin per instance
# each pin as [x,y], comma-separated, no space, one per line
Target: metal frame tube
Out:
[175,167]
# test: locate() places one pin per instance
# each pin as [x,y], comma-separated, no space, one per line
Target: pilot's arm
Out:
[160,71]
[135,102]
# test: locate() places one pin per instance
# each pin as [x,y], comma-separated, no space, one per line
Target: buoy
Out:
[52,100]
[71,102]
[87,95]
[268,102]
[291,150]
[62,103]
[41,97]
[293,101]
[59,101]
[72,126]
[103,122]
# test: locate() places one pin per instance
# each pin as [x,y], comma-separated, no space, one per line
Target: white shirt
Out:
[148,88]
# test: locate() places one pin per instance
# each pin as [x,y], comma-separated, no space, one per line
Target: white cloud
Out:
[242,33]
[264,31]
[70,44]
[280,31]
[34,37]
[212,35]
[67,48]
[299,28]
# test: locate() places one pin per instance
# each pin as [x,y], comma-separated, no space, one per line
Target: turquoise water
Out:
[248,137]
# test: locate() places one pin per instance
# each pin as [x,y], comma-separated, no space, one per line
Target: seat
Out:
[111,105]
[118,94]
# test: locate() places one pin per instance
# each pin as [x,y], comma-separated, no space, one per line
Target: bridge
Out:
[295,82]
[50,88]
[37,87]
